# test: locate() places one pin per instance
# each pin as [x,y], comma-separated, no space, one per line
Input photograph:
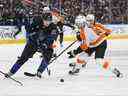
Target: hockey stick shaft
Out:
[62,52]
[48,70]
[12,79]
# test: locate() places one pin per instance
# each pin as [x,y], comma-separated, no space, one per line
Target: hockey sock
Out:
[15,68]
[79,61]
[102,64]
[82,58]
[42,66]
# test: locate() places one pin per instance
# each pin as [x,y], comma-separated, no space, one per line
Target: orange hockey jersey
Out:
[94,36]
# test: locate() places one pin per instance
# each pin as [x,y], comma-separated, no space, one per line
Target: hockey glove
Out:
[44,46]
[78,36]
[71,54]
[107,33]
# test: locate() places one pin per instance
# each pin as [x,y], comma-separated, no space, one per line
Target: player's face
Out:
[90,23]
[47,19]
[47,23]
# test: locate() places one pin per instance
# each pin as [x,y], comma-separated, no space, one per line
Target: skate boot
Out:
[74,72]
[72,64]
[75,69]
[83,65]
[117,73]
[38,74]
[9,74]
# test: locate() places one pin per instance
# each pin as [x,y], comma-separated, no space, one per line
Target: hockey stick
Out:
[33,75]
[12,78]
[49,71]
[62,52]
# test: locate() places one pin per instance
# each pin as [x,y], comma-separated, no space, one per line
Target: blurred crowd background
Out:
[106,11]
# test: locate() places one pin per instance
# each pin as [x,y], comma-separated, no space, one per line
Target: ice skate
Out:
[74,72]
[72,64]
[117,73]
[83,65]
[39,74]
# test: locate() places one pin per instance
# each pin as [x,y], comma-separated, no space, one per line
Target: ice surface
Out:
[90,82]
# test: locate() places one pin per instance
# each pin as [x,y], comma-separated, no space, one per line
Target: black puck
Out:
[61,80]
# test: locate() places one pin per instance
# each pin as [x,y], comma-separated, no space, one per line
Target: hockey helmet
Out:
[47,18]
[80,20]
[90,17]
[46,10]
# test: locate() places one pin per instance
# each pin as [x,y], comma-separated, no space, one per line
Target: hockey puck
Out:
[61,80]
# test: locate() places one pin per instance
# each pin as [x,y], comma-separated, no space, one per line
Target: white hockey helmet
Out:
[46,10]
[80,20]
[90,17]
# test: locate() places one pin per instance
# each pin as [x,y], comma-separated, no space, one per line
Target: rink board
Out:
[7,32]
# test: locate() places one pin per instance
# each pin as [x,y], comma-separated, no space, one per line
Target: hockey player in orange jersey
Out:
[93,38]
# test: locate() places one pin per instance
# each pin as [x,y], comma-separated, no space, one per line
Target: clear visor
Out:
[90,22]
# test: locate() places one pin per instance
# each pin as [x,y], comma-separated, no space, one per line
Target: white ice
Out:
[91,81]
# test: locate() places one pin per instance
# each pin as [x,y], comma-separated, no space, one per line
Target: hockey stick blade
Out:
[12,78]
[29,74]
[33,75]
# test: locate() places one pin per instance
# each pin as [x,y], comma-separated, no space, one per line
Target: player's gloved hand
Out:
[71,54]
[107,33]
[78,36]
[44,46]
